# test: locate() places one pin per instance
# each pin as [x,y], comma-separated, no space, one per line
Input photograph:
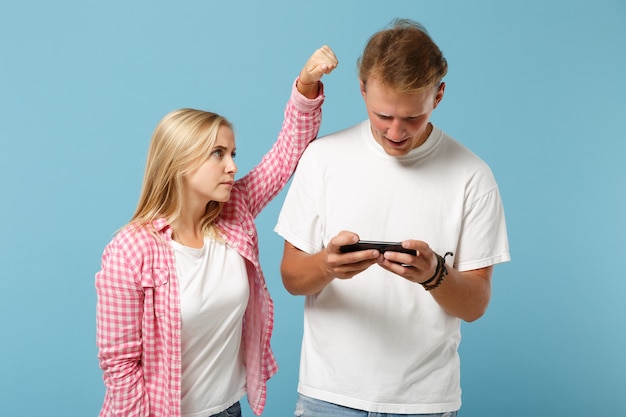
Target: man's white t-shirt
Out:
[378,342]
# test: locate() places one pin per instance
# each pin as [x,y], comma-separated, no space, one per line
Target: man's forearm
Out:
[302,273]
[466,294]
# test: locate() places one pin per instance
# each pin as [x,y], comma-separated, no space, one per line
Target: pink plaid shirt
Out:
[138,309]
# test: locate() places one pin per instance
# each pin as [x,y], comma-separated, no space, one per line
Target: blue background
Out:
[536,88]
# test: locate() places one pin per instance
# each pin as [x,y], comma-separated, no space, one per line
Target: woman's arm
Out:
[302,120]
[118,332]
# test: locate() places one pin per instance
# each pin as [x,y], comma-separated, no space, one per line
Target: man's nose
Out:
[396,130]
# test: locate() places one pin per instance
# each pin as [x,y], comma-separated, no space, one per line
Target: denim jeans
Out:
[232,411]
[310,407]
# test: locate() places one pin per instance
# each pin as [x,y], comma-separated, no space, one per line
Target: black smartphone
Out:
[379,245]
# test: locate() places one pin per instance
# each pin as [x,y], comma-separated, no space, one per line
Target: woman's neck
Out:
[188,233]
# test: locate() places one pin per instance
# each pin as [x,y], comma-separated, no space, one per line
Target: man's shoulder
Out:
[340,137]
[459,149]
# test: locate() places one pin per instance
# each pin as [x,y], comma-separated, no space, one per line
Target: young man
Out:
[375,340]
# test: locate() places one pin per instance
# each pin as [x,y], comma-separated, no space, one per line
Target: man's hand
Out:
[346,265]
[416,268]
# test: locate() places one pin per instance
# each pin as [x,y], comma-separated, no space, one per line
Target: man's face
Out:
[400,121]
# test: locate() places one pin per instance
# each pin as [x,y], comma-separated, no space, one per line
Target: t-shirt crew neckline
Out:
[414,154]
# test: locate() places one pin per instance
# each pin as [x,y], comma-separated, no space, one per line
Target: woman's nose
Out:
[232,166]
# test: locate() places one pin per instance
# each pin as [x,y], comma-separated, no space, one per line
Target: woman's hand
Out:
[323,61]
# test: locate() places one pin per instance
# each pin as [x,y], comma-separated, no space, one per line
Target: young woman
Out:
[184,317]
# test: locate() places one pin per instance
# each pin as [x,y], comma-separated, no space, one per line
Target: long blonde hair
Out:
[181,142]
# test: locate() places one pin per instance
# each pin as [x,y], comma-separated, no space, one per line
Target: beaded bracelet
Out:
[440,273]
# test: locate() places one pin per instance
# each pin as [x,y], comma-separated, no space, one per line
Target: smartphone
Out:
[379,245]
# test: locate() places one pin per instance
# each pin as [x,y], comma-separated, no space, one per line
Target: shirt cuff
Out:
[303,103]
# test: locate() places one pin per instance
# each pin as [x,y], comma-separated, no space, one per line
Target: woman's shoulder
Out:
[139,236]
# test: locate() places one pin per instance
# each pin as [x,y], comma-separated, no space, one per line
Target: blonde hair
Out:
[181,142]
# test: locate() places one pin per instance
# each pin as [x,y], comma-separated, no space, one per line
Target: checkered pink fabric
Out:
[138,308]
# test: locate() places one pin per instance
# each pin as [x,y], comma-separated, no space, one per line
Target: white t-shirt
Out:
[378,342]
[214,294]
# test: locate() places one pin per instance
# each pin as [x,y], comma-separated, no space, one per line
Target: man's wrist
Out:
[440,273]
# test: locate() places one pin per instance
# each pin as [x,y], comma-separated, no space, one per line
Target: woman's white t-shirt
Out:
[214,293]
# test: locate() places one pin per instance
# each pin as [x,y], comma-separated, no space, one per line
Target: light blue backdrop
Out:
[536,88]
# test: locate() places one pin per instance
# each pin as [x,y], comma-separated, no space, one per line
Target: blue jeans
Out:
[310,407]
[232,411]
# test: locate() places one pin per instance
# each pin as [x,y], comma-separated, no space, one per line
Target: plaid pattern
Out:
[138,310]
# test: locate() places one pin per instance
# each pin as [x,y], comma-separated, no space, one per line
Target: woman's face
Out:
[214,179]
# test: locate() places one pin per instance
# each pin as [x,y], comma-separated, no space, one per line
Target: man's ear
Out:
[362,87]
[439,95]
